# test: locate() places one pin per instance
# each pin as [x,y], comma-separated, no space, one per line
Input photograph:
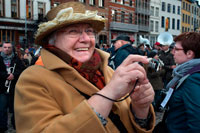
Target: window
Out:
[182,29]
[174,9]
[192,9]
[157,12]
[122,2]
[130,18]
[178,24]
[183,5]
[122,16]
[151,25]
[131,3]
[152,11]
[179,10]
[114,15]
[192,21]
[41,10]
[163,22]
[163,6]
[30,9]
[188,19]
[101,3]
[156,26]
[169,8]
[173,23]
[168,23]
[189,8]
[1,7]
[186,7]
[83,1]
[92,2]
[14,8]
[183,18]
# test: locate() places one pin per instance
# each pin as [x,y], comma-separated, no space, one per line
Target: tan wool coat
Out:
[46,100]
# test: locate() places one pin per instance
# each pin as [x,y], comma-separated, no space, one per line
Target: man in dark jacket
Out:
[10,69]
[122,48]
[167,58]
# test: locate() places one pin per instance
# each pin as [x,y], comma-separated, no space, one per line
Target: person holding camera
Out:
[72,89]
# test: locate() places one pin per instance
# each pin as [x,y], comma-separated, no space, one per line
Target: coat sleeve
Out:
[37,110]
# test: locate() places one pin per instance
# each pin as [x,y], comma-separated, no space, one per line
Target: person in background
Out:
[11,67]
[27,56]
[122,48]
[157,47]
[166,57]
[155,74]
[72,89]
[184,103]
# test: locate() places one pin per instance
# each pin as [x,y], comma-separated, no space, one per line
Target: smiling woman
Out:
[70,87]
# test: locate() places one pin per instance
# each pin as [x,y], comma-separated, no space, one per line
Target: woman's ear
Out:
[190,54]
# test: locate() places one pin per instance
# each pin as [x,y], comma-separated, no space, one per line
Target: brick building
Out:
[19,20]
[98,5]
[122,19]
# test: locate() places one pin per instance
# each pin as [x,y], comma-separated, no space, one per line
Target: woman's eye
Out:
[73,31]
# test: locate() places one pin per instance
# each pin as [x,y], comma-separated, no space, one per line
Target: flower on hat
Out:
[68,16]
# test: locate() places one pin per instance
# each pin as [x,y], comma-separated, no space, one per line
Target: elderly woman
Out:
[184,104]
[71,88]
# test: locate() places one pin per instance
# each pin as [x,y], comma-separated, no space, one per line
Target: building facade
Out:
[122,19]
[18,20]
[155,6]
[170,18]
[195,17]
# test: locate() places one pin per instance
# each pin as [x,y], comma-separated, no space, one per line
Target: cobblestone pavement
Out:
[11,130]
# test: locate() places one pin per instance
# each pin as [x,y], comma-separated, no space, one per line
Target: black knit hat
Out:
[122,37]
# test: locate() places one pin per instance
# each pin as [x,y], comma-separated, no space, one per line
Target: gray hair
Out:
[52,38]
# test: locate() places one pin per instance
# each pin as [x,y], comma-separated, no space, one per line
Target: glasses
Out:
[177,49]
[76,32]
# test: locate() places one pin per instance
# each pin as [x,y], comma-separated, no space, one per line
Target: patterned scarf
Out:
[89,70]
[181,70]
[7,59]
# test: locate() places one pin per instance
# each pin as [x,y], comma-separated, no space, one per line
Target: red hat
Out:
[157,43]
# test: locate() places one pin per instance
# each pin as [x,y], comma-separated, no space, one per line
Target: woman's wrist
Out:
[141,113]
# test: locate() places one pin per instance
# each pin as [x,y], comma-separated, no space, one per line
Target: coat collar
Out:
[54,63]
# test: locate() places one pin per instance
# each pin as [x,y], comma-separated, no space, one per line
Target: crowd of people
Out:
[13,62]
[73,86]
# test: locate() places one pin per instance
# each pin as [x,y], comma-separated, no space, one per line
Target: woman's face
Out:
[179,55]
[77,40]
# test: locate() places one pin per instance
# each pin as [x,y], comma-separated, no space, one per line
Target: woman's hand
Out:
[142,97]
[125,76]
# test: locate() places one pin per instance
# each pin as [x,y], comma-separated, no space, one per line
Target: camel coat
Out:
[46,100]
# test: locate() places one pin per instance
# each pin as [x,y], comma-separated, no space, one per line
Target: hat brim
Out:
[42,39]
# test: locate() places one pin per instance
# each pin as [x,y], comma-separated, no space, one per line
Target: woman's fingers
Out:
[143,94]
[134,58]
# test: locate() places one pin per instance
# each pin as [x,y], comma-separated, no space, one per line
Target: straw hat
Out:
[64,15]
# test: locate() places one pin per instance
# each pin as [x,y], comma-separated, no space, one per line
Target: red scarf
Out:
[89,70]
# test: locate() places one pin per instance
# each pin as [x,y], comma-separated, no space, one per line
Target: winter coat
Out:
[4,74]
[120,55]
[155,78]
[47,100]
[184,107]
[168,61]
